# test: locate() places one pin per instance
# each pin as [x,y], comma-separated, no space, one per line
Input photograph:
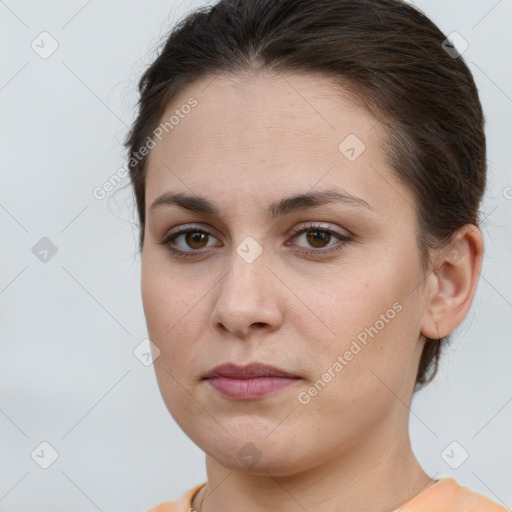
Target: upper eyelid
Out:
[299,229]
[301,226]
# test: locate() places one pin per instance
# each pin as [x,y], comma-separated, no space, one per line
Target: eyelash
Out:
[196,229]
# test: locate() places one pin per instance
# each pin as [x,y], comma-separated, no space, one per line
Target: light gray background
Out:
[68,328]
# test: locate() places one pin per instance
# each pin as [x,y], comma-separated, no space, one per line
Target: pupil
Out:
[193,238]
[318,236]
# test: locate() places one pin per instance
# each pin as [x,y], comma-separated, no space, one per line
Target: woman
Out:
[308,176]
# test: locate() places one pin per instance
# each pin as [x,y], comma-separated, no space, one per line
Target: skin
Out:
[250,141]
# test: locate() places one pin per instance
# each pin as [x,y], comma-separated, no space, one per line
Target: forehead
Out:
[263,136]
[235,109]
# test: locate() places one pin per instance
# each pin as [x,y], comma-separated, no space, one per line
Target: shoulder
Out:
[469,501]
[184,504]
[168,506]
[447,494]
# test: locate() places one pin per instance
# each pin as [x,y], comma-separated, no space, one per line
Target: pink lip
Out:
[249,389]
[247,371]
[249,382]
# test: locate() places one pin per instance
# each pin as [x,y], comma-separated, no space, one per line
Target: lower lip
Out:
[250,389]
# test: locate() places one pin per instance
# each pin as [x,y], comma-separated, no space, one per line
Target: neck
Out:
[377,473]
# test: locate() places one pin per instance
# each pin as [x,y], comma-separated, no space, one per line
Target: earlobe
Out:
[456,275]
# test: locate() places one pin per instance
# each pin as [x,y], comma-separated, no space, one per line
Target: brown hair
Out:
[386,53]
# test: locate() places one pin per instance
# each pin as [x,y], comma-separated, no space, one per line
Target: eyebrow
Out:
[284,206]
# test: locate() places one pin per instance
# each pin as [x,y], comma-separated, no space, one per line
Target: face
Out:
[325,288]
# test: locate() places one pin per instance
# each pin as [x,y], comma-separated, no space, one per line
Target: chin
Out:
[255,455]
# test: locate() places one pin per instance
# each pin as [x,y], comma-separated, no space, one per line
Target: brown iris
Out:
[195,237]
[316,237]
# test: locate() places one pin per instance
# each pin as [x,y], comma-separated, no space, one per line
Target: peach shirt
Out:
[444,496]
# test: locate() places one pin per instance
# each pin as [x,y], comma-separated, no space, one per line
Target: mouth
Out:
[250,382]
[249,371]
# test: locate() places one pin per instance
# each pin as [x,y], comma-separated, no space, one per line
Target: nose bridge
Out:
[246,296]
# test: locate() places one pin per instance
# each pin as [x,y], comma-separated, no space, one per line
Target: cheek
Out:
[156,292]
[168,310]
[164,302]
[372,332]
[165,295]
[175,313]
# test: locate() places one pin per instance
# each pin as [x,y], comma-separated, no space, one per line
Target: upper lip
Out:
[247,371]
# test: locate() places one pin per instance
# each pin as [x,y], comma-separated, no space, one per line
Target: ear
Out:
[453,281]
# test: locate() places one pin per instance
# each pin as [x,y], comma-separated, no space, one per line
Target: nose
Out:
[248,298]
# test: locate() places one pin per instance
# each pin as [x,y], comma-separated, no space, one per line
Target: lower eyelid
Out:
[173,237]
[335,234]
[342,241]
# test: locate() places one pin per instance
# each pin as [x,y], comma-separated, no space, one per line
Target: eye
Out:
[318,236]
[194,240]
